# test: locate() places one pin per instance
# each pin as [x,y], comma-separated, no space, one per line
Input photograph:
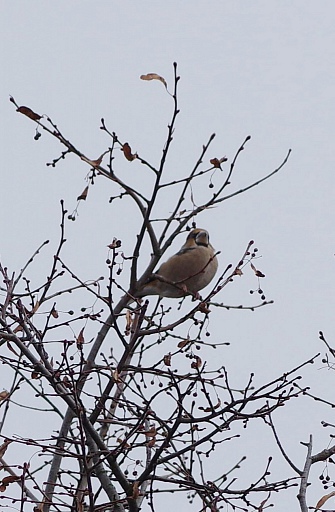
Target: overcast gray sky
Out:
[261,68]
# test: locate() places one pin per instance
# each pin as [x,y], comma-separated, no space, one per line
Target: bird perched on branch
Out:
[191,269]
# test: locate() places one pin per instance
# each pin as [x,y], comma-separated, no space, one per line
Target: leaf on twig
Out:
[154,76]
[216,162]
[238,272]
[83,195]
[4,447]
[203,308]
[54,313]
[115,244]
[183,343]
[26,111]
[197,363]
[127,152]
[81,339]
[8,480]
[323,500]
[167,359]
[258,273]
[4,394]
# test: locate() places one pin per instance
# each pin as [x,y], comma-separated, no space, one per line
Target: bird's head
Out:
[198,236]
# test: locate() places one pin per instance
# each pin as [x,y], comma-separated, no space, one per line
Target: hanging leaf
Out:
[216,162]
[167,359]
[154,76]
[258,273]
[203,308]
[81,339]
[183,343]
[83,195]
[26,111]
[197,363]
[8,480]
[4,394]
[54,313]
[4,447]
[115,244]
[323,500]
[127,152]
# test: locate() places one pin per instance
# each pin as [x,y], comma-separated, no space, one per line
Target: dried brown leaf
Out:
[197,363]
[323,500]
[238,272]
[258,273]
[203,308]
[167,359]
[81,339]
[4,394]
[115,244]
[127,152]
[183,343]
[154,76]
[9,479]
[54,313]
[4,447]
[29,113]
[215,162]
[83,195]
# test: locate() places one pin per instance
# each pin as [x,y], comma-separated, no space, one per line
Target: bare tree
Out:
[136,420]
